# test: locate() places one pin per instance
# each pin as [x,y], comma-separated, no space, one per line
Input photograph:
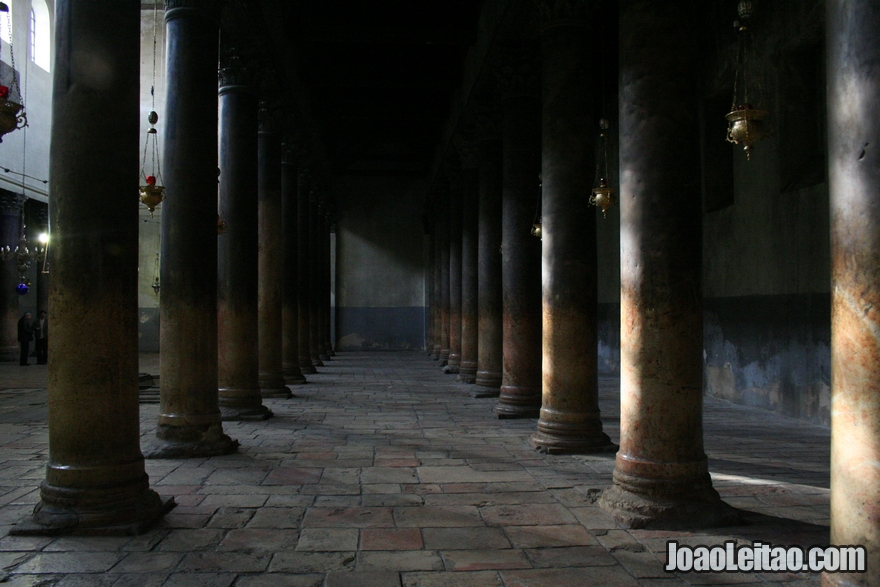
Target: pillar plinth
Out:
[303,273]
[661,476]
[290,286]
[521,260]
[854,184]
[490,338]
[454,363]
[10,232]
[189,413]
[467,371]
[569,419]
[270,253]
[238,367]
[95,479]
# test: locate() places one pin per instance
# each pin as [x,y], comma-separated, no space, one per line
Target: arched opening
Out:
[40,34]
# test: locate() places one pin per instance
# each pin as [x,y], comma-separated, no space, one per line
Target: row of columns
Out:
[231,330]
[661,475]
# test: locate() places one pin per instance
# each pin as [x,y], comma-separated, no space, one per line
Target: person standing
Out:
[25,336]
[41,338]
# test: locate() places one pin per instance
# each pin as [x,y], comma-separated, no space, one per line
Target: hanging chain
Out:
[11,52]
[152,135]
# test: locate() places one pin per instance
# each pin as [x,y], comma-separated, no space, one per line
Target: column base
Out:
[185,442]
[229,414]
[8,354]
[317,362]
[467,372]
[330,351]
[444,357]
[451,369]
[293,376]
[572,443]
[324,357]
[667,505]
[306,367]
[518,402]
[117,518]
[274,387]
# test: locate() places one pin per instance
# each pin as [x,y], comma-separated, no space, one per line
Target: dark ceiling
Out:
[378,76]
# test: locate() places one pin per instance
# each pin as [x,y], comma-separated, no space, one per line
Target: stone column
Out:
[10,232]
[290,286]
[569,420]
[189,414]
[521,261]
[328,298]
[443,223]
[852,48]
[454,274]
[429,292]
[490,343]
[95,479]
[303,272]
[270,253]
[238,367]
[470,185]
[315,277]
[324,304]
[438,282]
[661,475]
[40,223]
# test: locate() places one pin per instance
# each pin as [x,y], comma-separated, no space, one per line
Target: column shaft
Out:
[521,261]
[661,476]
[852,33]
[95,479]
[569,418]
[290,289]
[490,344]
[189,414]
[429,293]
[324,305]
[238,344]
[271,255]
[10,232]
[444,279]
[454,277]
[303,273]
[469,274]
[438,287]
[315,279]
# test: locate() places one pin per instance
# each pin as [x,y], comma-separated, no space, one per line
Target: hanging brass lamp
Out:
[12,114]
[746,124]
[602,196]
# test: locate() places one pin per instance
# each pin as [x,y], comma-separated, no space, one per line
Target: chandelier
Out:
[12,114]
[22,256]
[746,123]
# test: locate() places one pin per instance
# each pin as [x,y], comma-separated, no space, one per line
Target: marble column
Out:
[429,292]
[661,475]
[324,337]
[569,420]
[238,344]
[521,262]
[40,223]
[315,277]
[443,223]
[470,185]
[303,273]
[290,286]
[189,413]
[270,253]
[454,274]
[95,481]
[10,232]
[490,355]
[438,283]
[852,31]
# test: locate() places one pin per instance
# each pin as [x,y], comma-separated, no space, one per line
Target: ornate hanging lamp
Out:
[155,285]
[12,114]
[536,225]
[152,192]
[602,195]
[746,124]
[22,256]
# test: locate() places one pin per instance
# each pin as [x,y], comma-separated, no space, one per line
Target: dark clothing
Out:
[41,337]
[25,336]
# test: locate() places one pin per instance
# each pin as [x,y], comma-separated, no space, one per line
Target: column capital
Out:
[207,9]
[468,150]
[10,202]
[484,117]
[555,13]
[235,73]
[269,117]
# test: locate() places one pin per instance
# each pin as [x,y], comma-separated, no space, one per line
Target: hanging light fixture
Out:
[155,285]
[746,123]
[602,195]
[152,192]
[23,257]
[536,225]
[12,114]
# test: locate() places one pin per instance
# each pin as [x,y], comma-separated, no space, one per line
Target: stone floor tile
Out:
[570,556]
[527,515]
[546,536]
[568,577]
[64,562]
[402,560]
[280,580]
[469,475]
[311,562]
[200,580]
[208,562]
[391,539]
[459,579]
[190,540]
[293,476]
[363,579]
[351,517]
[485,560]
[148,562]
[275,518]
[136,580]
[464,538]
[259,540]
[328,540]
[438,516]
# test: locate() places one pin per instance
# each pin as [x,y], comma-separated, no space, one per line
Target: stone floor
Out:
[383,472]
